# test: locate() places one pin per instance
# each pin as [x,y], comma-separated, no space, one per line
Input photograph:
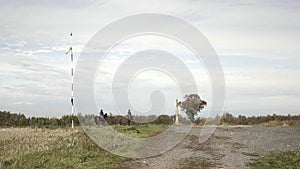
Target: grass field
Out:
[61,148]
[290,159]
[141,131]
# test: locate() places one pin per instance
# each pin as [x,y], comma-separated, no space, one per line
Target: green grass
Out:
[279,160]
[141,131]
[221,137]
[80,153]
[63,148]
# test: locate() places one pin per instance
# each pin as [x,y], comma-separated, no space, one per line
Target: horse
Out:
[100,119]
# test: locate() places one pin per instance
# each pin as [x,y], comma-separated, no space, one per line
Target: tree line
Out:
[8,119]
[20,120]
[228,118]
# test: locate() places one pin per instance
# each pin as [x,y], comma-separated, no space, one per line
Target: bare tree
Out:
[192,105]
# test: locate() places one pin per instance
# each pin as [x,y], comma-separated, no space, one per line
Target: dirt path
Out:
[229,147]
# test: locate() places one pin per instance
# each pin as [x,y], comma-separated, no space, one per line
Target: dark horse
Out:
[100,120]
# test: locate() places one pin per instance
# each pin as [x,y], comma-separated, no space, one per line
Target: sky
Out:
[256,41]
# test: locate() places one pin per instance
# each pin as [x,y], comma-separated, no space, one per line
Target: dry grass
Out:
[44,148]
[25,140]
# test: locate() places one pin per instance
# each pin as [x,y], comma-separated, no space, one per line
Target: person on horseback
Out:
[101,113]
[129,117]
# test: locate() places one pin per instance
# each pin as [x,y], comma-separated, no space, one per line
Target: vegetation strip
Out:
[290,159]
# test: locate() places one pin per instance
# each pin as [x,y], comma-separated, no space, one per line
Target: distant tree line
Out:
[228,118]
[9,119]
[137,120]
[20,120]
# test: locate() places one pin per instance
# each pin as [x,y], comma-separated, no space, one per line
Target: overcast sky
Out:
[257,43]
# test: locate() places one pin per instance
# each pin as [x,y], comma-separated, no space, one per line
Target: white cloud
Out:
[34,37]
[262,90]
[22,103]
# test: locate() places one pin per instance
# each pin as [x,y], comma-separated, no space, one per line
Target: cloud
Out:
[50,4]
[263,90]
[22,103]
[257,43]
[18,44]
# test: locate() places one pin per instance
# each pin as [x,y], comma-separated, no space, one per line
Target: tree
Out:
[163,119]
[192,105]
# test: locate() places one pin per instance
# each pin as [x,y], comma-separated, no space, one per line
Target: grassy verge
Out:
[290,159]
[62,148]
[141,131]
[74,151]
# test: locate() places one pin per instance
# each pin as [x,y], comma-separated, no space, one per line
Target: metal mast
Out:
[70,50]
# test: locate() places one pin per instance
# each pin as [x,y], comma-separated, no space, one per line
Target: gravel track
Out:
[229,147]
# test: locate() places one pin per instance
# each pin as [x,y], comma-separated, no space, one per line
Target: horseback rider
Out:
[129,117]
[101,113]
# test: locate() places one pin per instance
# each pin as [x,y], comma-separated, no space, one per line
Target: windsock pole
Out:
[176,113]
[70,50]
